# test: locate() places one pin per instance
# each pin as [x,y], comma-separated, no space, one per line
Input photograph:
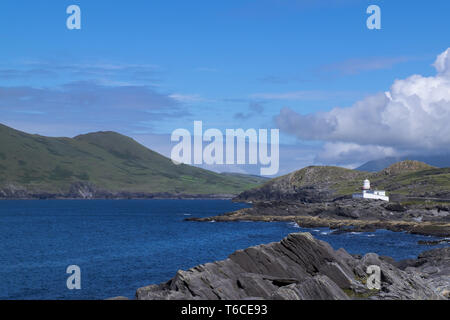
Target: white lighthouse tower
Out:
[368,193]
[366,185]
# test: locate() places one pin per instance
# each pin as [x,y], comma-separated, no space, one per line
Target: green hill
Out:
[105,161]
[319,183]
[415,179]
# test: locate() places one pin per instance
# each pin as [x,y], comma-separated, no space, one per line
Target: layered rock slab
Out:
[299,267]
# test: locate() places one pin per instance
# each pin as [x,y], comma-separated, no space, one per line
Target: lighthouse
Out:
[366,185]
[368,193]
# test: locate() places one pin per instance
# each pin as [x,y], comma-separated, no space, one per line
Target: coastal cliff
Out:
[300,267]
[322,197]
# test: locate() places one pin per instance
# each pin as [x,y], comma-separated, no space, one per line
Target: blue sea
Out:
[121,245]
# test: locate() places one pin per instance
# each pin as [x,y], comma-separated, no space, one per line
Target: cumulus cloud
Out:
[412,117]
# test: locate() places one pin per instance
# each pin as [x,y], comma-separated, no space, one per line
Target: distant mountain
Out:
[440,161]
[377,165]
[321,183]
[101,164]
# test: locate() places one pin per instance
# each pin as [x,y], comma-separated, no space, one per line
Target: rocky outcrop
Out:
[310,184]
[13,191]
[299,267]
[434,267]
[360,215]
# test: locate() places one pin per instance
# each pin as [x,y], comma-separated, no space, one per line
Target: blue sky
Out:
[145,68]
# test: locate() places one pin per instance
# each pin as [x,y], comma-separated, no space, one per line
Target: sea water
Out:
[121,245]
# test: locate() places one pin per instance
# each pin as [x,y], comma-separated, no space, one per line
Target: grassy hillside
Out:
[411,178]
[422,181]
[108,160]
[407,178]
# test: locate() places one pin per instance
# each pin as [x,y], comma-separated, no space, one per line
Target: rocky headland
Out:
[348,215]
[300,267]
[322,197]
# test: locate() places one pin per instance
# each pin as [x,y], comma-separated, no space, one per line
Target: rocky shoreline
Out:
[123,196]
[300,267]
[348,215]
[90,192]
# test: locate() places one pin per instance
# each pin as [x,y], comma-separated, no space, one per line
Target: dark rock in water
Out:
[299,267]
[118,298]
[395,207]
[433,242]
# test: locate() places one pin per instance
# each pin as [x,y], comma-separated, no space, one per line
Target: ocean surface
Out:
[121,245]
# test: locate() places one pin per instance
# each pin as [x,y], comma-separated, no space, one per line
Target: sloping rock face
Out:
[299,267]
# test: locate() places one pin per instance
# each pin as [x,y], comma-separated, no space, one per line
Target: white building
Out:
[367,193]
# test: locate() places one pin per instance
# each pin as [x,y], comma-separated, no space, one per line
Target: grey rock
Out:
[298,267]
[371,259]
[316,288]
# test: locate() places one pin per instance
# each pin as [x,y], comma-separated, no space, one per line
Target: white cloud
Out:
[187,98]
[356,66]
[413,116]
[303,95]
[87,104]
[350,154]
[442,63]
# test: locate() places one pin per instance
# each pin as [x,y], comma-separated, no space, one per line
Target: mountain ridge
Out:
[100,164]
[440,161]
